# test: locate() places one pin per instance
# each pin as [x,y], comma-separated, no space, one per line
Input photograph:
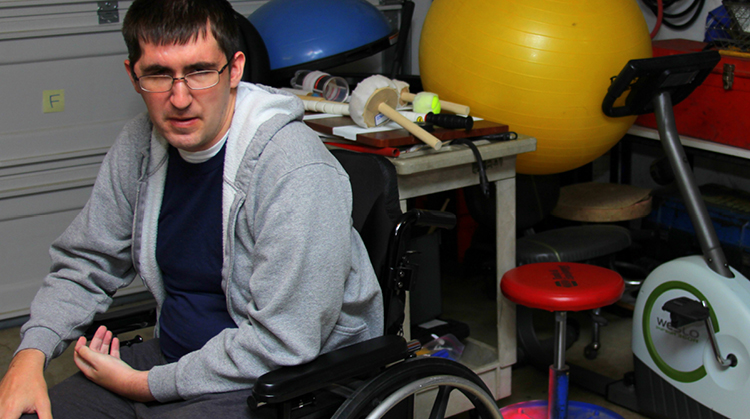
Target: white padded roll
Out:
[324,106]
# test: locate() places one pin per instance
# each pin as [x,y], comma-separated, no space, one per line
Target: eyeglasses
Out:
[197,80]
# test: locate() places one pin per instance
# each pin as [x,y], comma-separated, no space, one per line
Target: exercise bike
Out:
[691,323]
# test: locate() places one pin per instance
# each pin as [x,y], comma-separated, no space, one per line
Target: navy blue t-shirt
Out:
[189,253]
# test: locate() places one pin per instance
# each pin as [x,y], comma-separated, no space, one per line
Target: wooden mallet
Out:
[375,97]
[424,102]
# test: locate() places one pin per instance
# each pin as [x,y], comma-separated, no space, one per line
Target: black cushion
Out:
[257,64]
[375,206]
[572,244]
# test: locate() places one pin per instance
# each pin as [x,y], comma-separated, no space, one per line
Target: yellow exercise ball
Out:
[540,66]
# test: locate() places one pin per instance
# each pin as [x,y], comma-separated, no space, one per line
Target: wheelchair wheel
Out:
[384,392]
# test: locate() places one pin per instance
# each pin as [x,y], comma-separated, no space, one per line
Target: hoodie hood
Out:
[259,113]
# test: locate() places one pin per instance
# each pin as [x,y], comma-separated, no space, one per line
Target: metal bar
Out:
[731,359]
[696,208]
[561,317]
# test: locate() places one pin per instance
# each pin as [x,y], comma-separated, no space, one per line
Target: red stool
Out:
[560,287]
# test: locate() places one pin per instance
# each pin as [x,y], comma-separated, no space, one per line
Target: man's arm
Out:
[23,389]
[92,259]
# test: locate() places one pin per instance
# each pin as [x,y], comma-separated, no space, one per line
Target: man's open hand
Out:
[100,362]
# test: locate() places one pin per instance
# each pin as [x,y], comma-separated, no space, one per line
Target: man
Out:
[235,216]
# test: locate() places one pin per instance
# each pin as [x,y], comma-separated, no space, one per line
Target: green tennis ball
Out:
[426,102]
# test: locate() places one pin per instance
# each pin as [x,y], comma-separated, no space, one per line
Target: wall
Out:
[694,32]
[49,160]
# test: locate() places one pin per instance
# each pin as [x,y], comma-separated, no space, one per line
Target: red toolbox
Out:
[719,109]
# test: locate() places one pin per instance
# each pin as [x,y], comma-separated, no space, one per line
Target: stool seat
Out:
[562,286]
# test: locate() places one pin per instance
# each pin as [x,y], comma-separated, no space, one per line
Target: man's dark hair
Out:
[177,22]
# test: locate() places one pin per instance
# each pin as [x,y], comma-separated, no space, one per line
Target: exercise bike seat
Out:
[644,78]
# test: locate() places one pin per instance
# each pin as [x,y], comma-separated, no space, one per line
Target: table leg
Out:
[505,239]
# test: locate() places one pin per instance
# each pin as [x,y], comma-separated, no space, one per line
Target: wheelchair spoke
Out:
[441,403]
[413,378]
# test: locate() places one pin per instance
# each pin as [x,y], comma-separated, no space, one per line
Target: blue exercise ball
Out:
[319,33]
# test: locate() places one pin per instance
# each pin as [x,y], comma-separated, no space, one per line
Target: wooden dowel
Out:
[413,128]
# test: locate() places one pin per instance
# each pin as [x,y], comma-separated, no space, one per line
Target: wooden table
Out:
[428,171]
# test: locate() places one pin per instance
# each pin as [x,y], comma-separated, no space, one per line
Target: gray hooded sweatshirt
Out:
[296,275]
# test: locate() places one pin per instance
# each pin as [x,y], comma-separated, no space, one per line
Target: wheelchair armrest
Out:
[431,218]
[125,320]
[290,382]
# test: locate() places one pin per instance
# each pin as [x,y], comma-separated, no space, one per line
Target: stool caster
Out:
[591,351]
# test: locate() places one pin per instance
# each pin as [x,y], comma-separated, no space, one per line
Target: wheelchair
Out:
[379,377]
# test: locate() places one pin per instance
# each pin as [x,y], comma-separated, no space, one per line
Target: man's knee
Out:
[77,397]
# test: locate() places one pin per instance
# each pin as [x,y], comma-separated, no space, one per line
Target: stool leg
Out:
[557,402]
[561,318]
[597,321]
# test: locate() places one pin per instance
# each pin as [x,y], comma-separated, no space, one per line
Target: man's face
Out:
[191,120]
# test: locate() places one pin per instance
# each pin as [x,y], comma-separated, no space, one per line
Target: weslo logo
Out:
[563,277]
[665,326]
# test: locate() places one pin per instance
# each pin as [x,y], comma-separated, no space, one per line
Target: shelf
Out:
[691,142]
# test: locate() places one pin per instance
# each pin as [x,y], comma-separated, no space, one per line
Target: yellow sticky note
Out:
[53,101]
